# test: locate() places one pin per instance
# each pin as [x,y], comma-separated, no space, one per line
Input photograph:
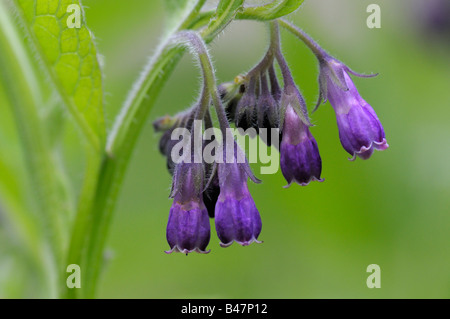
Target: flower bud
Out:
[245,115]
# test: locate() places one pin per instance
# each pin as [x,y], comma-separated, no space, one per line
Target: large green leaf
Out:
[70,57]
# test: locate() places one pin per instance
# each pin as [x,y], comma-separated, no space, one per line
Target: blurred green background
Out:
[392,210]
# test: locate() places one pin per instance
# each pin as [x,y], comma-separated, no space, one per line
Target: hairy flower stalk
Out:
[360,130]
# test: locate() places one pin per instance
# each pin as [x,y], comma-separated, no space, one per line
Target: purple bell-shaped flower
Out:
[360,130]
[188,227]
[236,217]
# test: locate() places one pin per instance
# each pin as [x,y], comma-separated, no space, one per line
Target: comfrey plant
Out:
[255,100]
[65,226]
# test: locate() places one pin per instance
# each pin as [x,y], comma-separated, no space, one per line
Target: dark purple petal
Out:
[236,216]
[299,154]
[301,163]
[188,228]
[237,219]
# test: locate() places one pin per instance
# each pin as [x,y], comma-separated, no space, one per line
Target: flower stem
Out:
[195,42]
[302,35]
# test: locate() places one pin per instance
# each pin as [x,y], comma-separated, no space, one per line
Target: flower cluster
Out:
[257,101]
[200,189]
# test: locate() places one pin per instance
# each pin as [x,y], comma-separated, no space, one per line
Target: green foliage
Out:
[70,58]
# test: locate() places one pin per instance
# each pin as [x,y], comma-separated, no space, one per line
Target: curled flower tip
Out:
[303,183]
[366,152]
[242,243]
[176,249]
[361,75]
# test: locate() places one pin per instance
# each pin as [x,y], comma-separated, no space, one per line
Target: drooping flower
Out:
[299,154]
[188,227]
[360,130]
[236,217]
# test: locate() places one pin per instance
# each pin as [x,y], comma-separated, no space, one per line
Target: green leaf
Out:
[70,58]
[273,10]
[20,85]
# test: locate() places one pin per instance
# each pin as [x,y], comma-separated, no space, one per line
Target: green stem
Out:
[192,15]
[84,219]
[274,10]
[194,41]
[299,33]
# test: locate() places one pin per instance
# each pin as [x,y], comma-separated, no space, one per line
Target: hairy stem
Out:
[299,33]
[195,42]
